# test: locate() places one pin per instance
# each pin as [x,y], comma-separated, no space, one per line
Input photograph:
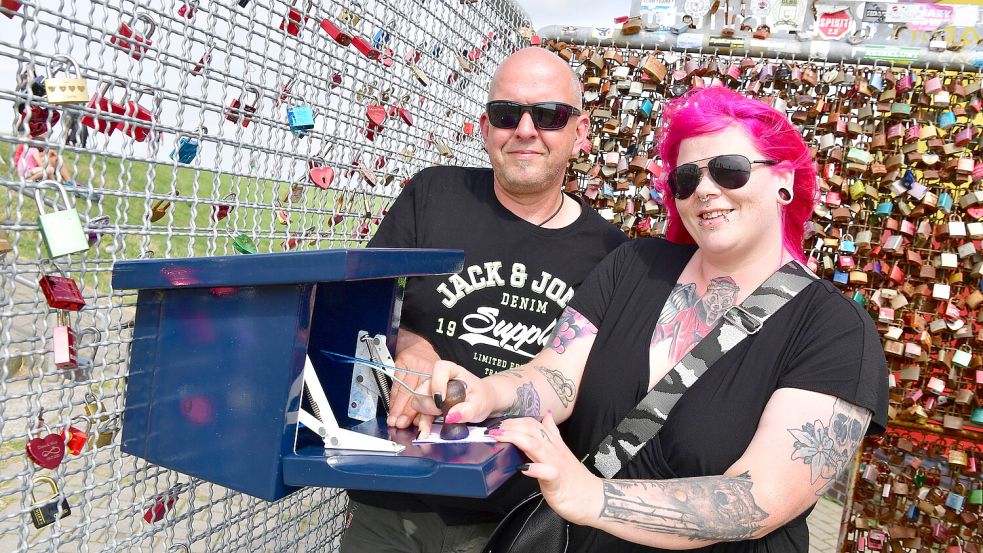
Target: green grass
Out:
[129,189]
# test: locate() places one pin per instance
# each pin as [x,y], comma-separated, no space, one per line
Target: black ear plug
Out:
[456,391]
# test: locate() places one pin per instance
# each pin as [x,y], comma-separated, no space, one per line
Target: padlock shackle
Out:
[64,60]
[88,330]
[47,261]
[150,22]
[179,547]
[48,183]
[50,482]
[86,420]
[257,93]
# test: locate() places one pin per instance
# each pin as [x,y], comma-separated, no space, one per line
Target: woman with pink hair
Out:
[712,387]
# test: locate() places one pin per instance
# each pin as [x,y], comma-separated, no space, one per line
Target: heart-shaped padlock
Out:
[322,177]
[377,114]
[47,451]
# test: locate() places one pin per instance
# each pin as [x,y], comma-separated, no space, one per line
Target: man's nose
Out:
[526,126]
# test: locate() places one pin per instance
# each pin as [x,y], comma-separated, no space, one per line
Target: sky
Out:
[583,13]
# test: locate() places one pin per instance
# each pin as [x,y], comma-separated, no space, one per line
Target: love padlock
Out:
[46,451]
[9,7]
[77,438]
[46,511]
[106,425]
[163,503]
[221,210]
[203,62]
[127,38]
[335,32]
[297,238]
[142,118]
[238,109]
[60,291]
[282,215]
[244,244]
[102,104]
[61,229]
[63,343]
[365,48]
[321,175]
[377,117]
[188,8]
[82,371]
[300,117]
[65,90]
[187,147]
[293,22]
[159,208]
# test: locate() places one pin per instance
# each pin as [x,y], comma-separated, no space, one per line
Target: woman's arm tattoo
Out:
[563,386]
[526,402]
[828,448]
[718,508]
[570,326]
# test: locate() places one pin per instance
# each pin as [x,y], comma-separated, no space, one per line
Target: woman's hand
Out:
[418,356]
[570,489]
[476,406]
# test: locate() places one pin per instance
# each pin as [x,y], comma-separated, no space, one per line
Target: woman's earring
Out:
[785,194]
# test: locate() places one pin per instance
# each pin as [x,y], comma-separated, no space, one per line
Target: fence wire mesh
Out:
[182,147]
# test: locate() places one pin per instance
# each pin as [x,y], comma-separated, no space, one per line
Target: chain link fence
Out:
[210,127]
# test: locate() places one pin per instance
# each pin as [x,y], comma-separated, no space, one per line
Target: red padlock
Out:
[221,211]
[76,439]
[365,47]
[135,129]
[293,23]
[128,39]
[237,109]
[61,292]
[296,238]
[101,103]
[9,7]
[377,117]
[162,504]
[334,32]
[48,450]
[63,344]
[39,120]
[203,62]
[188,8]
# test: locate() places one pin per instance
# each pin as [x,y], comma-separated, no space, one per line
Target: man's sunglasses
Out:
[546,116]
[730,171]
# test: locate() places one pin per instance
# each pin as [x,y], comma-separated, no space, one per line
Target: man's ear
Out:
[583,132]
[485,127]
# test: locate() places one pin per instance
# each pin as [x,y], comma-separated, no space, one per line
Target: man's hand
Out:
[414,353]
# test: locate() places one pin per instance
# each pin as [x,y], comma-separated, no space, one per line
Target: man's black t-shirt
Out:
[820,341]
[499,311]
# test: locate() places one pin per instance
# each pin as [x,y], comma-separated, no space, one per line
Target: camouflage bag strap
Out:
[646,420]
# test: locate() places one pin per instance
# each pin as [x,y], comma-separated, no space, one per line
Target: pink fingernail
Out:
[452,418]
[496,432]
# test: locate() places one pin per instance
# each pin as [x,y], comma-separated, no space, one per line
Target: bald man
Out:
[527,246]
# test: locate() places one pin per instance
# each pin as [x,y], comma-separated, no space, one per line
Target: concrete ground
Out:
[824,526]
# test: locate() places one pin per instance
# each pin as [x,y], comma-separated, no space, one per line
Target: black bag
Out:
[531,527]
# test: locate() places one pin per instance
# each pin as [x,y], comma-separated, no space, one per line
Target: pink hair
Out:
[710,110]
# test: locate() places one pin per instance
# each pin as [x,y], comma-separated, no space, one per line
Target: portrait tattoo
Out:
[828,448]
[526,402]
[687,318]
[563,386]
[719,508]
[570,326]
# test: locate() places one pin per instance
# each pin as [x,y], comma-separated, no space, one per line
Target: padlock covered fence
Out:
[896,227]
[193,136]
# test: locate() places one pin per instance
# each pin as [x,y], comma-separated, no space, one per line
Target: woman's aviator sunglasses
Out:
[730,171]
[546,116]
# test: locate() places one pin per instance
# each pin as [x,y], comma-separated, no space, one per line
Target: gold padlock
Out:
[106,425]
[65,90]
